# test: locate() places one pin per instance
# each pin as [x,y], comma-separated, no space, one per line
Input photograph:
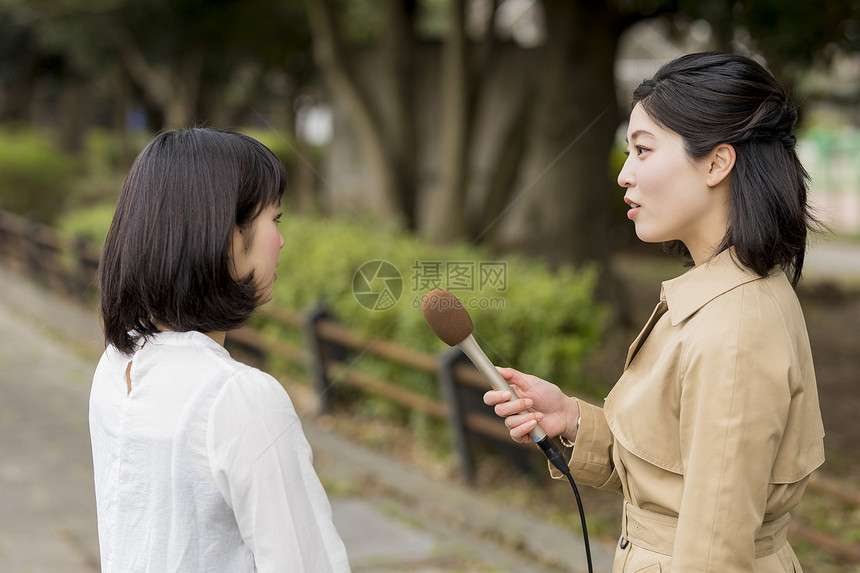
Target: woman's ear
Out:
[721,161]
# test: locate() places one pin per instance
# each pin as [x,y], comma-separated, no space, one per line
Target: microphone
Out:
[450,321]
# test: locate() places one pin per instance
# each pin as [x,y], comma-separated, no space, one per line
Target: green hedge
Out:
[540,321]
[537,320]
[35,177]
[91,223]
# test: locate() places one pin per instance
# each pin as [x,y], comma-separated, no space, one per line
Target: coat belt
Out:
[656,532]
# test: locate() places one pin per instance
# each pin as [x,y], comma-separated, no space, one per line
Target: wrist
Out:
[568,437]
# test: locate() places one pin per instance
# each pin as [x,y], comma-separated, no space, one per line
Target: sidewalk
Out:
[48,350]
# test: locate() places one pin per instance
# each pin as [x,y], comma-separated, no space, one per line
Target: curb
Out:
[459,507]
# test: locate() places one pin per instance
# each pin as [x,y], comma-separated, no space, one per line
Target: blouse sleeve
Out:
[734,405]
[262,464]
[590,461]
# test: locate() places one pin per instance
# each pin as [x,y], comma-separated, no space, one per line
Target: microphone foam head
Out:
[447,316]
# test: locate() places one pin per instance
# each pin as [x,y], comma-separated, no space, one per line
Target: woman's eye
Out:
[278,218]
[639,150]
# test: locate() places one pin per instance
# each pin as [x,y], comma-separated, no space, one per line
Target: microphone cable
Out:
[556,458]
[582,520]
[450,321]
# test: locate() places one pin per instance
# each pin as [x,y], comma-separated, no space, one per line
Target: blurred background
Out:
[431,132]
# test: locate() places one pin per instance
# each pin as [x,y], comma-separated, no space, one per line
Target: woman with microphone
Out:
[714,427]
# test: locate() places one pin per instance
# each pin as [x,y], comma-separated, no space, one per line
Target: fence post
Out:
[84,272]
[448,361]
[7,239]
[32,250]
[317,357]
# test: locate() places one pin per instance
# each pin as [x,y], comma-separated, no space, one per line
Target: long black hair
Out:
[715,98]
[166,258]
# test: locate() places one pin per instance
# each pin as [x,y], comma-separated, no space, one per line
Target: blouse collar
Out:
[190,338]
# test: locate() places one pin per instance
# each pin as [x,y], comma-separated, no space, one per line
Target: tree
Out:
[188,56]
[187,61]
[573,93]
[553,163]
[388,145]
[386,126]
[791,36]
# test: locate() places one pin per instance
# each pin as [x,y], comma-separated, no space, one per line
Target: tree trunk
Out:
[173,91]
[567,206]
[302,181]
[365,120]
[448,212]
[17,92]
[122,104]
[72,113]
[508,159]
[399,119]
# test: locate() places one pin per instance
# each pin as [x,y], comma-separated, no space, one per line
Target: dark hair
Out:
[166,258]
[713,98]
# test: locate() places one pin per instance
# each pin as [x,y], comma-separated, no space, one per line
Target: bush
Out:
[535,319]
[89,223]
[106,159]
[35,177]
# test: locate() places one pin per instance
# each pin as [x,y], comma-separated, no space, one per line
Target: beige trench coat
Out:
[713,429]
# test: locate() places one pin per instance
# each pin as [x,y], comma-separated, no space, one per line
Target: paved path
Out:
[48,349]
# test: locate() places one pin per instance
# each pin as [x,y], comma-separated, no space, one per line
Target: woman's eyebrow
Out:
[639,133]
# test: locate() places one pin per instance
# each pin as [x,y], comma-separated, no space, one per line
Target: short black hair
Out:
[166,258]
[717,98]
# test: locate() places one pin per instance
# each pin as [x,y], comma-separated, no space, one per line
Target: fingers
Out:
[507,373]
[518,419]
[494,397]
[521,424]
[514,378]
[505,409]
[519,381]
[504,406]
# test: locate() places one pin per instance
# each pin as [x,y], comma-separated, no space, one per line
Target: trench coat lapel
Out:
[659,311]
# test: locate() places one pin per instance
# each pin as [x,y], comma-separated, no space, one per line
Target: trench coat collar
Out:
[694,289]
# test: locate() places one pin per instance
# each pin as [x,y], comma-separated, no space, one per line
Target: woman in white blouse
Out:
[200,461]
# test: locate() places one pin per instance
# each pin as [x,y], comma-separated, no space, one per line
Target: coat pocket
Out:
[641,560]
[635,559]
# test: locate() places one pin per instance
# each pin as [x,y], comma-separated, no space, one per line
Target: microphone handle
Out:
[471,348]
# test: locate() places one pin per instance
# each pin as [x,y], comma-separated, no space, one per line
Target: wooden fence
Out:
[59,262]
[69,265]
[328,352]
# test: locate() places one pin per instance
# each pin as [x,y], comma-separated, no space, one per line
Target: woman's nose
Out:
[625,177]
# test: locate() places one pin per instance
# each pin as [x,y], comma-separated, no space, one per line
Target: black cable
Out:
[556,458]
[582,519]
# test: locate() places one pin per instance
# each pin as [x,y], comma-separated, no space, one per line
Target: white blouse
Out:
[203,466]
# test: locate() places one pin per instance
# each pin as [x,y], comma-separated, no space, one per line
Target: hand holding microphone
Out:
[556,412]
[450,321]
